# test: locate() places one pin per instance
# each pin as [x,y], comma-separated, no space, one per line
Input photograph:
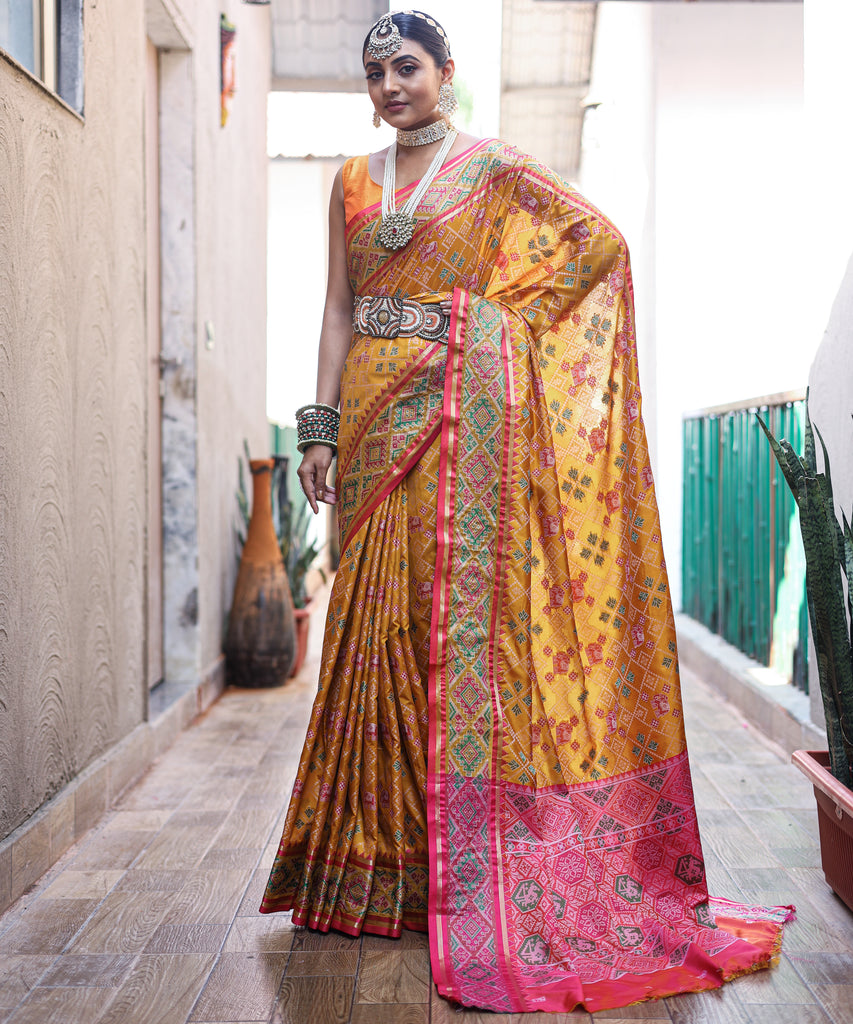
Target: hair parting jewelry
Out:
[385,39]
[317,424]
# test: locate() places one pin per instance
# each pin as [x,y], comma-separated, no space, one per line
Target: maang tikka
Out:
[385,39]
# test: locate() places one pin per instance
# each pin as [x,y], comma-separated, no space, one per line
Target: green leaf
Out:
[828,547]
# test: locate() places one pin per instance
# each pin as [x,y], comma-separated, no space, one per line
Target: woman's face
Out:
[404,87]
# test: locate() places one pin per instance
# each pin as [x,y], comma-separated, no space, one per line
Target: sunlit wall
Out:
[696,146]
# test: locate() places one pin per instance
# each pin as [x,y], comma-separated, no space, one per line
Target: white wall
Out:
[732,247]
[829,102]
[299,193]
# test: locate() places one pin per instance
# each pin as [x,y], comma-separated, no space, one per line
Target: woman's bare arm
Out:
[335,339]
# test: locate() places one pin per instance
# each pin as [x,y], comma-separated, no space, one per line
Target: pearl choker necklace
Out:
[422,136]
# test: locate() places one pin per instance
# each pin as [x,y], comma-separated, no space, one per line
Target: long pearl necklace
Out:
[397,227]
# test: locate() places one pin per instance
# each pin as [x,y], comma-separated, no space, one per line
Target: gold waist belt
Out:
[393,318]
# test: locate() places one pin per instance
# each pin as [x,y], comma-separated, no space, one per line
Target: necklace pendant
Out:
[396,230]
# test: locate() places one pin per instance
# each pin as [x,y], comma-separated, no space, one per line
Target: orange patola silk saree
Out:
[496,752]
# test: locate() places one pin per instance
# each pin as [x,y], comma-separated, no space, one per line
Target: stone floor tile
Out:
[177,847]
[123,923]
[402,977]
[185,817]
[408,940]
[824,968]
[247,829]
[214,793]
[223,860]
[19,974]
[255,890]
[836,1000]
[305,938]
[47,926]
[270,933]
[776,1013]
[64,1006]
[319,1000]
[187,938]
[717,1006]
[143,821]
[112,849]
[338,962]
[142,880]
[100,971]
[82,885]
[241,985]
[161,989]
[782,984]
[384,1013]
[738,785]
[208,897]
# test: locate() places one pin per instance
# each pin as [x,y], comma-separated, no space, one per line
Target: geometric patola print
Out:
[564,842]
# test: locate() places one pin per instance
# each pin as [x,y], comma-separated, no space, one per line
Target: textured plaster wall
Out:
[231,229]
[72,417]
[73,368]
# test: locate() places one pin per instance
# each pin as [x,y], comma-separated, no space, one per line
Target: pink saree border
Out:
[502,944]
[440,671]
[437,691]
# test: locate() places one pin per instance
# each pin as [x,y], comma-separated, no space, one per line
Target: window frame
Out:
[57,50]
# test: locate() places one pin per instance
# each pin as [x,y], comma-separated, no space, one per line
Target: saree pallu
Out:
[496,751]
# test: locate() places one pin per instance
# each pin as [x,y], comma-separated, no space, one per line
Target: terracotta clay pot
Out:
[834,819]
[260,645]
[302,617]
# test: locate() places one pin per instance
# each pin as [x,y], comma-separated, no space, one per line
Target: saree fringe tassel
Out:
[497,749]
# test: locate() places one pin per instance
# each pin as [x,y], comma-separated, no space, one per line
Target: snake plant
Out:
[828,547]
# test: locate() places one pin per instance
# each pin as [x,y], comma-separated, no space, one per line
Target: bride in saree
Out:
[496,753]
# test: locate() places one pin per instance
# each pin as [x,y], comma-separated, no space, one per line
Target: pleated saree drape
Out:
[497,752]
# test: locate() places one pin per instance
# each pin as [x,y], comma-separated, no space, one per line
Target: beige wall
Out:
[72,381]
[72,418]
[231,224]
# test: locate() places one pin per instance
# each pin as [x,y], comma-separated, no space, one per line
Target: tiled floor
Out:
[152,919]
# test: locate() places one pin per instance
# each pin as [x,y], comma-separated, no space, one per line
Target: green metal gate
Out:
[743,569]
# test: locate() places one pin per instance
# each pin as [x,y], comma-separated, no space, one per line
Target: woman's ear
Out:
[447,72]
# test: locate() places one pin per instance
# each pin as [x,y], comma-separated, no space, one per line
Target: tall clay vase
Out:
[260,646]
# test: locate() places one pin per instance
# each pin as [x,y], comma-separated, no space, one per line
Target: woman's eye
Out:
[407,69]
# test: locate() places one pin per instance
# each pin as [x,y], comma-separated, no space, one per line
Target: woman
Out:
[496,752]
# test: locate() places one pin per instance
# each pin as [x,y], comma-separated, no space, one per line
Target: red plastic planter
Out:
[835,821]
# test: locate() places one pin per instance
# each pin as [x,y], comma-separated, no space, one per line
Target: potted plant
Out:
[292,522]
[828,547]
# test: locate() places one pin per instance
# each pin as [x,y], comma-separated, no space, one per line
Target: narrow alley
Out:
[152,918]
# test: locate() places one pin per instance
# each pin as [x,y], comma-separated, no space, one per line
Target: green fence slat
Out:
[741,549]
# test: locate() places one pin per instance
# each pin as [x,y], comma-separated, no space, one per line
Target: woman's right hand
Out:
[312,474]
